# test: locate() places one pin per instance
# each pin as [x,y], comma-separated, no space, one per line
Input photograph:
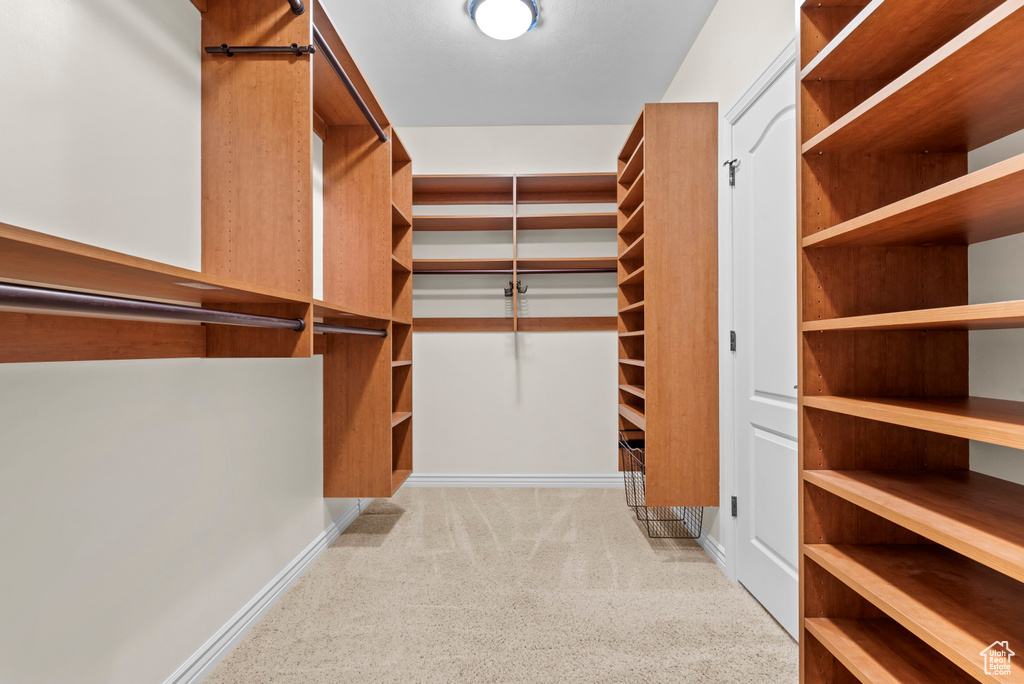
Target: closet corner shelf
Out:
[994,316]
[633,362]
[634,278]
[398,266]
[633,167]
[879,650]
[635,250]
[980,206]
[461,264]
[461,223]
[566,188]
[978,516]
[634,390]
[633,416]
[925,108]
[398,217]
[632,308]
[922,587]
[400,364]
[634,196]
[995,421]
[400,417]
[567,262]
[594,220]
[635,222]
[887,38]
[636,134]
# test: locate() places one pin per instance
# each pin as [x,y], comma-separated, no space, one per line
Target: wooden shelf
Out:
[635,333]
[398,478]
[633,362]
[978,516]
[631,308]
[957,99]
[879,650]
[399,417]
[634,390]
[887,38]
[463,324]
[633,167]
[401,321]
[984,205]
[635,222]
[399,267]
[567,262]
[461,264]
[400,364]
[995,421]
[461,223]
[951,603]
[636,134]
[49,261]
[462,189]
[566,221]
[566,323]
[566,188]
[634,278]
[995,316]
[398,218]
[634,251]
[634,196]
[331,310]
[633,416]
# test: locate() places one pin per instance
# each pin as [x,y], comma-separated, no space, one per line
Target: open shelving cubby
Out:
[667,305]
[911,564]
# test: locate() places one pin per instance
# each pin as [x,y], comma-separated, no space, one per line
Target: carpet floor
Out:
[510,585]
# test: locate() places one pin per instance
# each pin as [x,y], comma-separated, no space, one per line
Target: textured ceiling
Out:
[587,62]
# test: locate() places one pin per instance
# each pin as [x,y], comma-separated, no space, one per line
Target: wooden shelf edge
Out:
[633,278]
[567,262]
[633,362]
[398,217]
[635,333]
[398,265]
[460,264]
[568,324]
[584,221]
[639,306]
[633,416]
[461,223]
[634,166]
[995,421]
[978,516]
[325,310]
[398,418]
[636,134]
[421,325]
[634,246]
[400,364]
[634,197]
[994,316]
[634,390]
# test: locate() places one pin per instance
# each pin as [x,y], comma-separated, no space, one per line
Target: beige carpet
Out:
[511,585]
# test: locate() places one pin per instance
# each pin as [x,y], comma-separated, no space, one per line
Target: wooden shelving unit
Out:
[514,191]
[668,299]
[911,564]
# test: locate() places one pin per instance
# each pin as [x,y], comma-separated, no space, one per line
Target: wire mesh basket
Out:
[674,522]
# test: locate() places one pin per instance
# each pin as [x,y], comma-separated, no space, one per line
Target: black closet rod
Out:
[40,298]
[297,6]
[340,71]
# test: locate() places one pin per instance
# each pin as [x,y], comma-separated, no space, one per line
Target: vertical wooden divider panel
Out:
[256,168]
[357,416]
[681,303]
[357,220]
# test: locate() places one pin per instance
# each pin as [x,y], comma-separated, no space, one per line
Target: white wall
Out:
[514,403]
[142,503]
[739,40]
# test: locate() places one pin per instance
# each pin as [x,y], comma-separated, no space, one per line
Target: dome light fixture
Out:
[504,19]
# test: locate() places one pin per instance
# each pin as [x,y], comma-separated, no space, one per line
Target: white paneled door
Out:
[764,267]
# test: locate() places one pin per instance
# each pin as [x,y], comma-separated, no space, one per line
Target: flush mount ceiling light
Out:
[504,19]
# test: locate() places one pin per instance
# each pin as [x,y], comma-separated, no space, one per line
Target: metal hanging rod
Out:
[297,6]
[28,297]
[232,50]
[340,71]
[321,328]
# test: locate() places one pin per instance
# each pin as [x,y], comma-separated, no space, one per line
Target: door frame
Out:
[724,553]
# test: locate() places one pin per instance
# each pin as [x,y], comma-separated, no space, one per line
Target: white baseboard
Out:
[213,651]
[514,480]
[714,550]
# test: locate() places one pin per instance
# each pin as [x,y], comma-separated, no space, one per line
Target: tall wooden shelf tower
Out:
[668,299]
[911,565]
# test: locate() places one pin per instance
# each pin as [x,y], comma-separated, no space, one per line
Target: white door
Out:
[765,310]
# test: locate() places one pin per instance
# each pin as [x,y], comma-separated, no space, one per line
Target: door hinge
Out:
[732,340]
[735,507]
[733,164]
